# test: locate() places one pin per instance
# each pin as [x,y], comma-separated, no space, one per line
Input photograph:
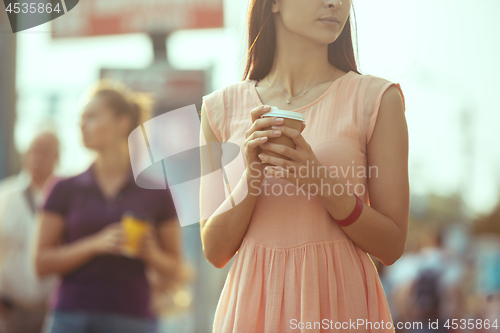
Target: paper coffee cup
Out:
[134,228]
[292,119]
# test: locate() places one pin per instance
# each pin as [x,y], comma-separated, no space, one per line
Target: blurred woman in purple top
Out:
[80,236]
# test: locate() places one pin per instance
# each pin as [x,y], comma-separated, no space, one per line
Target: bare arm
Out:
[222,234]
[382,227]
[51,257]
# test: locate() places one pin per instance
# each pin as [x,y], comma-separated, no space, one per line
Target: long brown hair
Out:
[262,43]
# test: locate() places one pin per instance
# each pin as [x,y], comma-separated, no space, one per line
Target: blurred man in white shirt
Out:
[24,296]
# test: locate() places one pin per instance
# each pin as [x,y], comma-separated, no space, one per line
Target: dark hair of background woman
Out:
[262,43]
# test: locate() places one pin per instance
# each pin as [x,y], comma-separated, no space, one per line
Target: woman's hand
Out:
[109,240]
[301,158]
[149,245]
[255,137]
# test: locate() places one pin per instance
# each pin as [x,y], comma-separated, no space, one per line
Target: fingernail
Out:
[266,107]
[279,120]
[275,127]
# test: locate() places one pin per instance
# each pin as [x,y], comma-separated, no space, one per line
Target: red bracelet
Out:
[353,216]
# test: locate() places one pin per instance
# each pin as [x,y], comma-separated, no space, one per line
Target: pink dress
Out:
[296,270]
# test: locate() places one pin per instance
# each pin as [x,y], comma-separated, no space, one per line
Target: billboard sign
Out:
[110,17]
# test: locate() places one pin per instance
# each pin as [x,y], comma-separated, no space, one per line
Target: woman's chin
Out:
[329,40]
[326,37]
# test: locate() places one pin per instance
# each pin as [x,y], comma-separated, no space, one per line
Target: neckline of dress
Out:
[253,88]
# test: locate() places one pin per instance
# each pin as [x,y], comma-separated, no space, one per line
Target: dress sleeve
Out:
[167,207]
[372,99]
[58,198]
[216,112]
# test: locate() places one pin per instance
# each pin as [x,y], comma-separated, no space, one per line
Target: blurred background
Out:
[441,52]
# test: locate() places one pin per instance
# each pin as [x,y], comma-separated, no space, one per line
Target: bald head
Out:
[41,157]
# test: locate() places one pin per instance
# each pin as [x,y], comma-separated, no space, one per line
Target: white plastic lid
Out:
[275,112]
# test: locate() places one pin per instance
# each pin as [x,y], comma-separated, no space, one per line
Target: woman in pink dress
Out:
[303,229]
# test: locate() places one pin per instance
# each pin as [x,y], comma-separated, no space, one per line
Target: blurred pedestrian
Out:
[23,295]
[426,293]
[81,237]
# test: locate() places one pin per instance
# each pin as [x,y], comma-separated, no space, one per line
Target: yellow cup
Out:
[134,228]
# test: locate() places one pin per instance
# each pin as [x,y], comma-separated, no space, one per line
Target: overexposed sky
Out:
[442,53]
